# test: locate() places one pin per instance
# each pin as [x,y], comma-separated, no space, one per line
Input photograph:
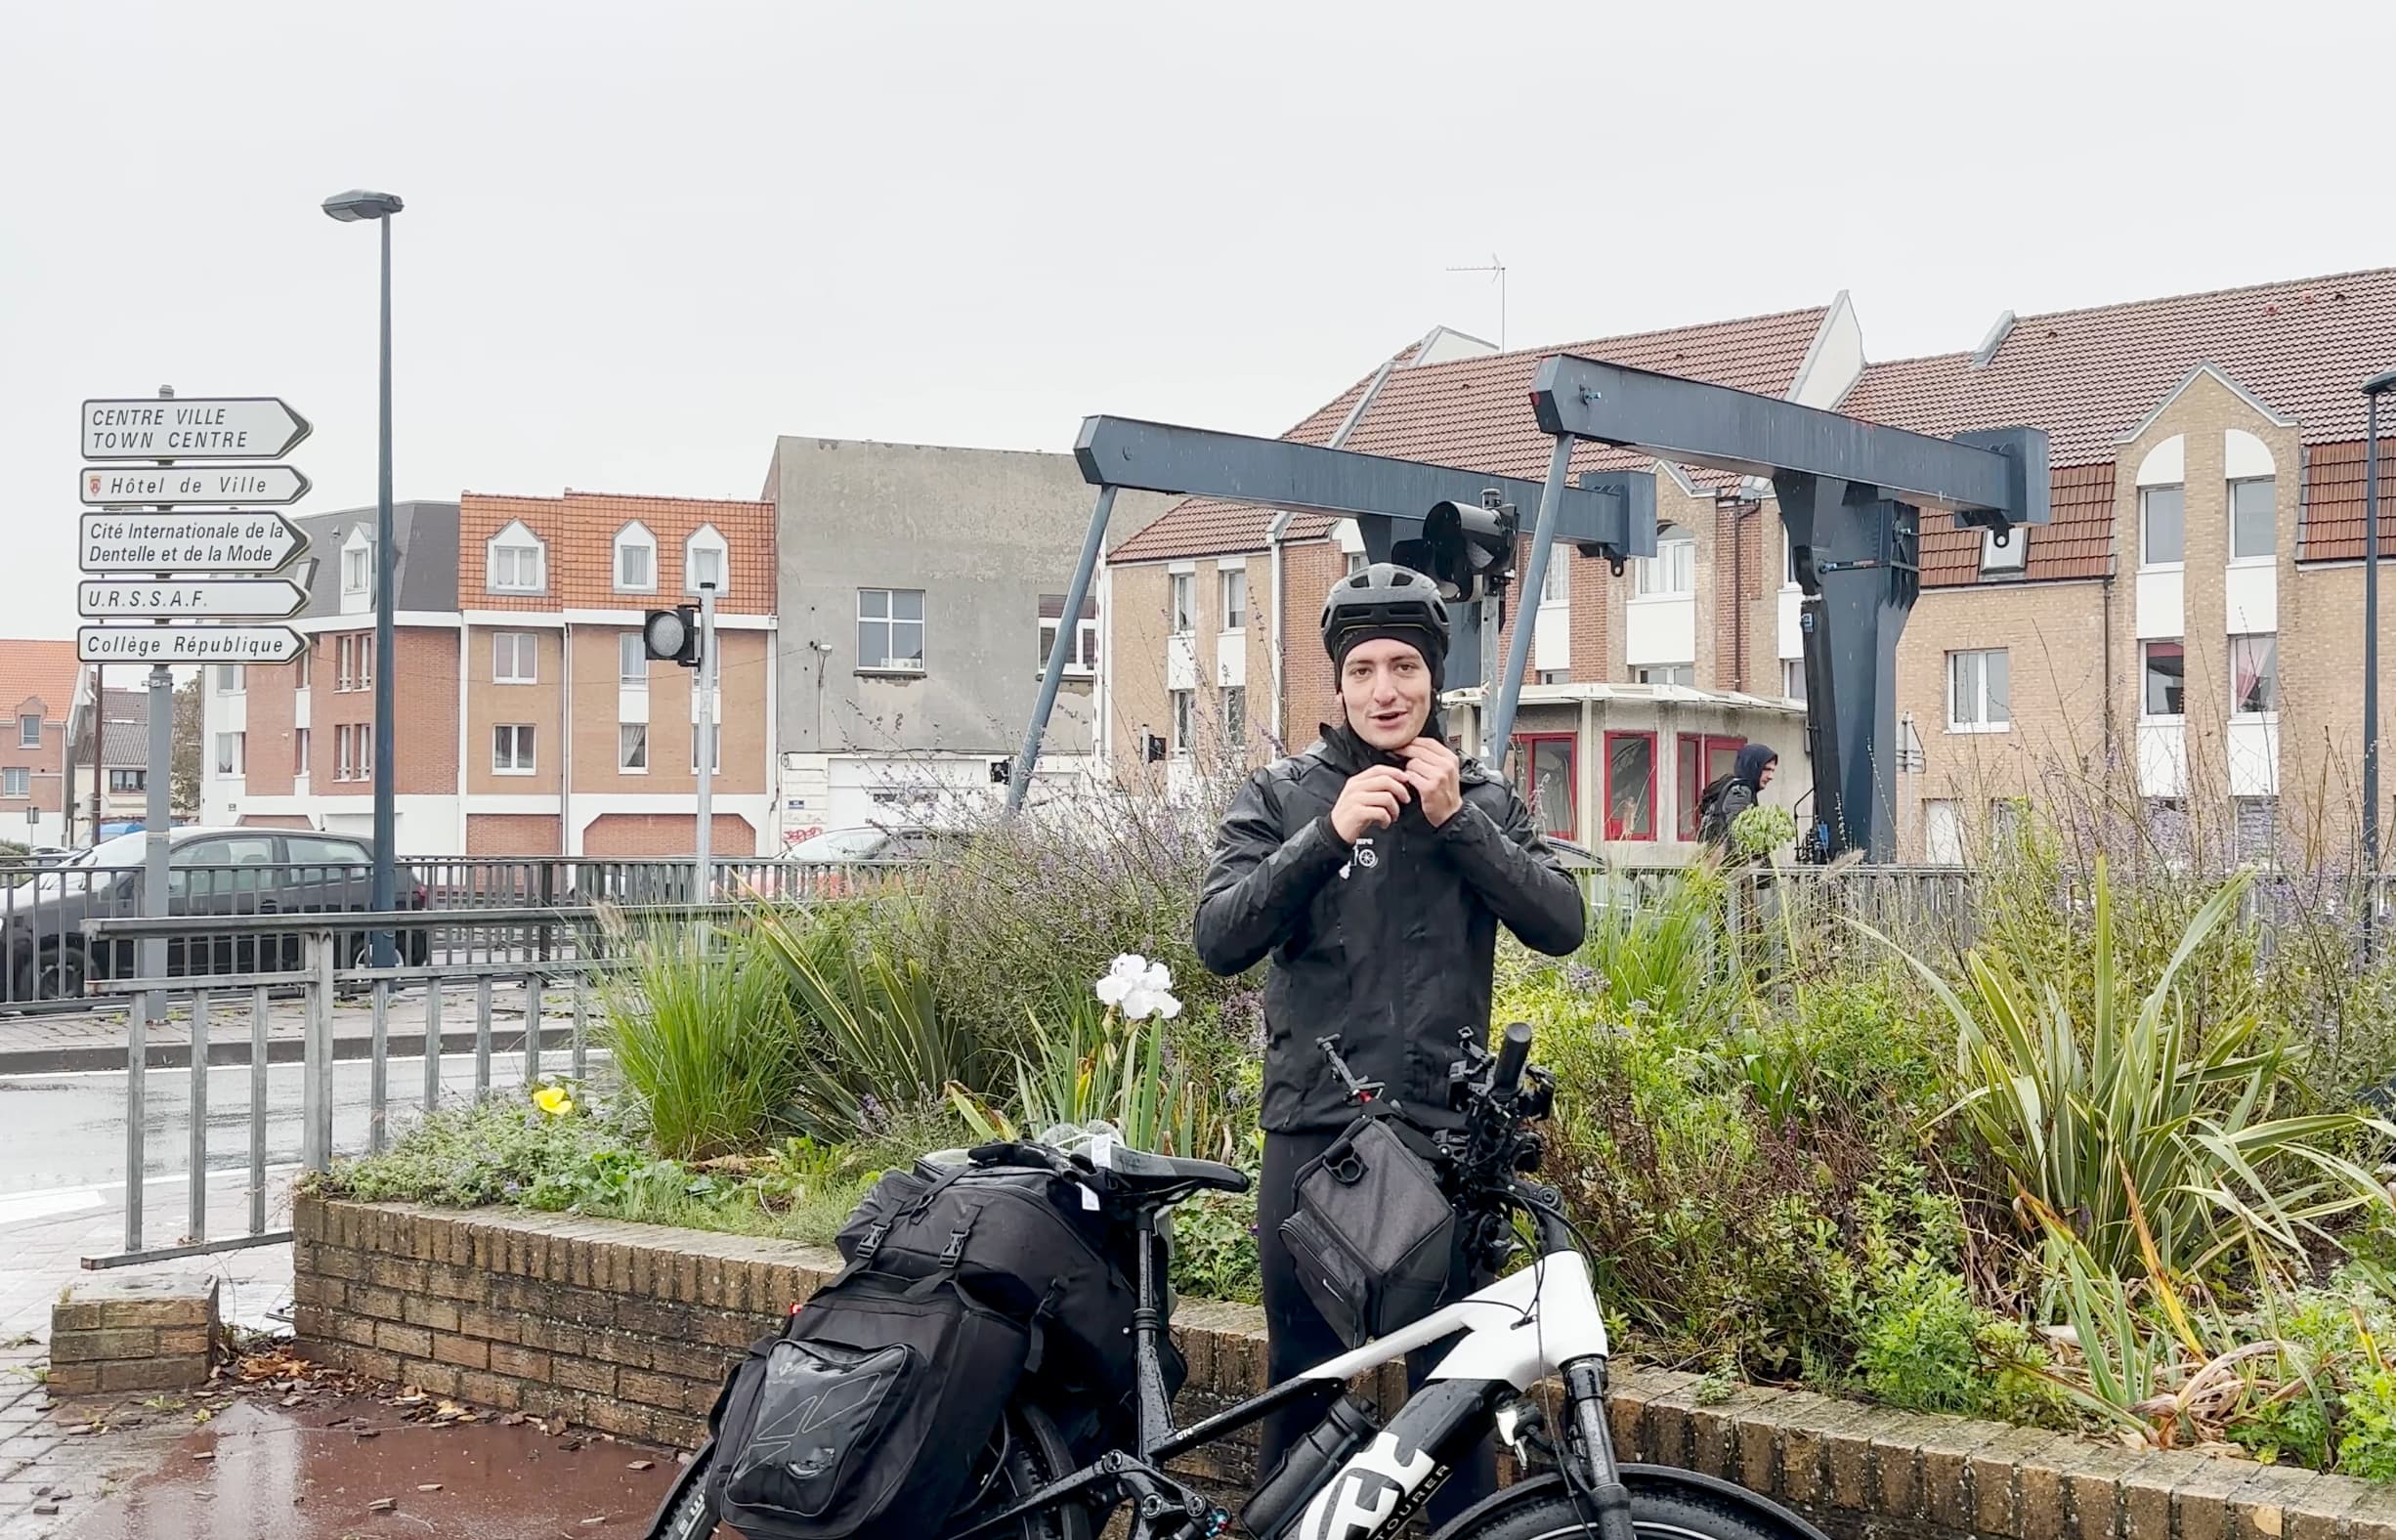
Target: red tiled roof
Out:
[2333,507]
[2077,544]
[2090,377]
[38,669]
[1475,413]
[579,530]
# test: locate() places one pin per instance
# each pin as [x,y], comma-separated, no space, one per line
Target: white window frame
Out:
[2229,504]
[1793,678]
[889,620]
[635,536]
[231,754]
[16,781]
[515,542]
[1557,586]
[521,745]
[230,679]
[631,646]
[344,765]
[623,766]
[1670,574]
[718,735]
[1231,590]
[705,539]
[1182,708]
[1641,673]
[2237,713]
[357,568]
[522,652]
[1357,562]
[1181,603]
[2144,714]
[33,740]
[2145,495]
[299,750]
[1979,722]
[1079,664]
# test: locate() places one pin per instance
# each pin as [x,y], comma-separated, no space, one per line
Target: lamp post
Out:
[2372,389]
[350,208]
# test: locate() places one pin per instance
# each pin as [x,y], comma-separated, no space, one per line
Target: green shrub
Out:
[2367,1443]
[704,1040]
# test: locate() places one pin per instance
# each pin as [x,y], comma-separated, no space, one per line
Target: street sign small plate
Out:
[218,428]
[231,486]
[186,542]
[190,598]
[188,643]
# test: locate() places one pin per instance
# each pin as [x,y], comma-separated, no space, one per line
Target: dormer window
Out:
[636,560]
[518,561]
[704,561]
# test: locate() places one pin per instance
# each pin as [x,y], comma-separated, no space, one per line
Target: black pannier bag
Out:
[1373,1234]
[862,1419]
[1025,1239]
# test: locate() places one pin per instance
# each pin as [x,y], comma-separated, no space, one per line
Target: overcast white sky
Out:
[642,238]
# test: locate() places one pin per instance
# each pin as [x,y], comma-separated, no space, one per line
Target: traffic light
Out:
[673,634]
[1468,551]
[1001,771]
[1152,749]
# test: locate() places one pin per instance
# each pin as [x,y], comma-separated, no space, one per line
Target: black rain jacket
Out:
[1390,945]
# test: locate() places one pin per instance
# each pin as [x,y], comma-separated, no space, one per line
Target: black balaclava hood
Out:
[1421,638]
[1752,759]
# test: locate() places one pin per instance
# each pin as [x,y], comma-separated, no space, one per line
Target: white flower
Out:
[1138,988]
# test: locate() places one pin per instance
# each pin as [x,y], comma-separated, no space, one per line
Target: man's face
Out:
[1763,776]
[1386,687]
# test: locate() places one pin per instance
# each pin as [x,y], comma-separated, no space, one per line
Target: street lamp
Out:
[350,208]
[2372,389]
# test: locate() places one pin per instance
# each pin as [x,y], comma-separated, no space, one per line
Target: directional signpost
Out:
[152,561]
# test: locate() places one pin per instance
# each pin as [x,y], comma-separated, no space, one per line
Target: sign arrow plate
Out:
[228,598]
[218,428]
[188,643]
[188,542]
[234,486]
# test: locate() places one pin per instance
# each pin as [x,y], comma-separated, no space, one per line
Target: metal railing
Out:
[330,970]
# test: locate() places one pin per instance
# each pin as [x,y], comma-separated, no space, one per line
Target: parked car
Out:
[210,871]
[873,842]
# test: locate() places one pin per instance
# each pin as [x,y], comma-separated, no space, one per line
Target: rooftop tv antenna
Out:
[1497,270]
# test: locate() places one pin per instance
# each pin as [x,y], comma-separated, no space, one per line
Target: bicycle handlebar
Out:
[1513,1055]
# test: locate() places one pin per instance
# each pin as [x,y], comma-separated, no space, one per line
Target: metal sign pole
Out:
[1509,689]
[701,865]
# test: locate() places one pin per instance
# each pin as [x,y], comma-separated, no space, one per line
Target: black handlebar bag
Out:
[1372,1232]
[863,1418]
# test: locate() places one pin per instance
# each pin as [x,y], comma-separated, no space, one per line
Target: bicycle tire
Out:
[692,1517]
[1036,1455]
[1656,1514]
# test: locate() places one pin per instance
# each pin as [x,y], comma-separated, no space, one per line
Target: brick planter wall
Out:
[628,1328]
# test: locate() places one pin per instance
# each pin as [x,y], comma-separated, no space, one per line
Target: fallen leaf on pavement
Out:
[382,1505]
[203,1454]
[428,1486]
[640,1465]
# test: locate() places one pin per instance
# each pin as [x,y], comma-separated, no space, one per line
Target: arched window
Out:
[637,559]
[1672,572]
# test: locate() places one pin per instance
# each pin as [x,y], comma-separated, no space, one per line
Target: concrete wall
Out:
[983,534]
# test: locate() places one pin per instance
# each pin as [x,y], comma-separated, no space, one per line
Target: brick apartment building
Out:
[2185,633]
[529,722]
[39,682]
[121,767]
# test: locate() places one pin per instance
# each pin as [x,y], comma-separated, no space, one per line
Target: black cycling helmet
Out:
[1386,600]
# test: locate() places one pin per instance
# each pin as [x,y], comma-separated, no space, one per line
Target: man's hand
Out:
[1432,770]
[1371,799]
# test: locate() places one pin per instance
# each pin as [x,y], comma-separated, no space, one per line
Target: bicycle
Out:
[1352,1479]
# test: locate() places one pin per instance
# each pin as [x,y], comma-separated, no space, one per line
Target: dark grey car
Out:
[210,871]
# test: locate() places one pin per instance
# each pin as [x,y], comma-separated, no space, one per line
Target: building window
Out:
[631,660]
[890,629]
[348,752]
[514,656]
[703,565]
[1357,562]
[1235,717]
[1234,582]
[511,749]
[1703,758]
[1942,833]
[1672,572]
[120,779]
[232,679]
[2254,675]
[1667,673]
[636,560]
[1979,691]
[715,747]
[2255,526]
[2011,557]
[1630,786]
[1177,603]
[16,781]
[29,730]
[1551,676]
[2167,673]
[632,747]
[2163,534]
[1183,702]
[1793,678]
[1083,660]
[355,658]
[516,561]
[299,750]
[1547,770]
[1557,586]
[357,568]
[229,754]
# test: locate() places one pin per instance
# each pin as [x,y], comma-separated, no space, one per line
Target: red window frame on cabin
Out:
[1698,755]
[1564,822]
[1616,827]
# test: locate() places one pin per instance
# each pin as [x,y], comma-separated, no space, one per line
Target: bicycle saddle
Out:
[1139,1174]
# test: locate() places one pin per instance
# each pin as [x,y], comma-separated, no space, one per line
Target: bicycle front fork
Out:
[1599,1476]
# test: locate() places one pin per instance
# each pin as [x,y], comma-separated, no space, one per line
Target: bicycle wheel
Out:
[1547,1512]
[1026,1454]
[688,1513]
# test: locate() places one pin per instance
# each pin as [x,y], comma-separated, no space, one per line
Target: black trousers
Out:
[1297,1338]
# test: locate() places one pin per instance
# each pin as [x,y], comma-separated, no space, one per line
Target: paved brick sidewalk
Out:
[46,1458]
